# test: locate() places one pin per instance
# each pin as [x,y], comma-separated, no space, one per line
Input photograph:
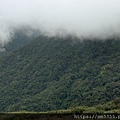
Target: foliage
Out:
[52,73]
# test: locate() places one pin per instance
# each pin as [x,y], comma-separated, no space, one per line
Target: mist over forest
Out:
[83,18]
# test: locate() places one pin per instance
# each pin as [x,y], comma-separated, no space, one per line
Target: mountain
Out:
[53,73]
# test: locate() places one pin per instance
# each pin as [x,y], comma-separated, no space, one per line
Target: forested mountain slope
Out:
[57,73]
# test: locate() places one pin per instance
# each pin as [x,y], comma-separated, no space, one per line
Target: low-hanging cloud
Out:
[95,18]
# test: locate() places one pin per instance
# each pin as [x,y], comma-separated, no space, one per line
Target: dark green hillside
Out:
[58,73]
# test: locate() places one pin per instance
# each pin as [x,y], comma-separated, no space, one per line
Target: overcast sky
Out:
[83,17]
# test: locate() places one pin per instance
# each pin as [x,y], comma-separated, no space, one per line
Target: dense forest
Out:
[53,73]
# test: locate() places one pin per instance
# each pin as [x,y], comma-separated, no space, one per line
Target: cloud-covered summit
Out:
[94,18]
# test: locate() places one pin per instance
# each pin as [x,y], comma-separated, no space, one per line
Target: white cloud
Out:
[83,17]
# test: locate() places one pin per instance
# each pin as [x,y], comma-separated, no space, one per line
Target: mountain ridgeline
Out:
[52,73]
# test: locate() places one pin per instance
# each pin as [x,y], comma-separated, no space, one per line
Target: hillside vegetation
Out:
[52,73]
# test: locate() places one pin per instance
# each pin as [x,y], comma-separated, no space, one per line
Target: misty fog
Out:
[84,18]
